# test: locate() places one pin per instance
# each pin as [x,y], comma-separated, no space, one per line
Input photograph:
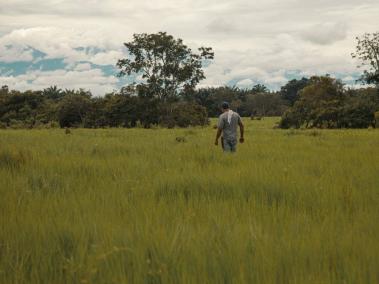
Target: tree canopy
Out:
[166,66]
[367,52]
[290,91]
[325,103]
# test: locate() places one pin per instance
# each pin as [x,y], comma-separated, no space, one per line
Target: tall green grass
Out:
[136,206]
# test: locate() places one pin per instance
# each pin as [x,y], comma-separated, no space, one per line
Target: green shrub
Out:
[17,124]
[325,103]
[183,115]
[73,109]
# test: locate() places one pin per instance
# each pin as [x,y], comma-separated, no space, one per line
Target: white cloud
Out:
[223,26]
[60,43]
[326,33]
[245,83]
[83,67]
[94,80]
[14,54]
[107,58]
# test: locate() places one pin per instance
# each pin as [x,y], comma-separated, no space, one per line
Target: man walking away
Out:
[227,126]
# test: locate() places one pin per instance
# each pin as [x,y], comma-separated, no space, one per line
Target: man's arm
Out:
[220,126]
[242,130]
[219,131]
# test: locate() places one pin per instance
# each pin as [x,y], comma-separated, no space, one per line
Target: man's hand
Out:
[218,135]
[242,140]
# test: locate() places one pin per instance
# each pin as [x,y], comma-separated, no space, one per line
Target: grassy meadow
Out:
[137,206]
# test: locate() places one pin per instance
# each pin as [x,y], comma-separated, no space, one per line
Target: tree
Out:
[166,65]
[184,114]
[259,88]
[4,90]
[367,51]
[121,110]
[53,92]
[359,109]
[320,105]
[20,106]
[325,103]
[73,108]
[290,91]
[265,104]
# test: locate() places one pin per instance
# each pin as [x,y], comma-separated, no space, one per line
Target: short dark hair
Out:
[225,105]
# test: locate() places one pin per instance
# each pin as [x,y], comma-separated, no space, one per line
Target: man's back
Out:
[227,126]
[228,123]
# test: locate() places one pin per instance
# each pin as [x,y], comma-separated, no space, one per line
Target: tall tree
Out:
[53,92]
[290,91]
[74,107]
[320,104]
[165,64]
[259,88]
[4,90]
[367,51]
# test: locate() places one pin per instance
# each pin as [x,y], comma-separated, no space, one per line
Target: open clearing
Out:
[137,206]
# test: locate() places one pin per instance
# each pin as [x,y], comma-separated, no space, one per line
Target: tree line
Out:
[53,107]
[166,94]
[315,102]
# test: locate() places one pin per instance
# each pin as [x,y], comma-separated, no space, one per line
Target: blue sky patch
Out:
[22,67]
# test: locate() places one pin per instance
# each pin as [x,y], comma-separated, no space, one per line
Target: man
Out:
[227,125]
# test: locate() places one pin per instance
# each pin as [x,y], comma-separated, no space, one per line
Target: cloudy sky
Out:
[75,44]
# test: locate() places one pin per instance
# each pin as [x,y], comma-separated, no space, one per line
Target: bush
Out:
[358,114]
[73,109]
[290,119]
[17,124]
[183,114]
[324,103]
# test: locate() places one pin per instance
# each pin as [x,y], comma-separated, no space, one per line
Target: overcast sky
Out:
[75,44]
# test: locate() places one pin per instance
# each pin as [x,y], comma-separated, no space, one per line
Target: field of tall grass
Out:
[137,206]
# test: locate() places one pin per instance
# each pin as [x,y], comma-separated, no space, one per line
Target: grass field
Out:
[136,206]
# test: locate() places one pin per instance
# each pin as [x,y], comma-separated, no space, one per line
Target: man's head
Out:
[225,106]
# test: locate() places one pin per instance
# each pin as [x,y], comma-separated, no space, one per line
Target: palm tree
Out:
[53,92]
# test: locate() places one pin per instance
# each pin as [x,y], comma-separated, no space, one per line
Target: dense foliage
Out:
[165,65]
[291,90]
[258,101]
[325,103]
[367,52]
[77,108]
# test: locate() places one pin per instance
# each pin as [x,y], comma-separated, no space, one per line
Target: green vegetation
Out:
[141,206]
[167,66]
[367,52]
[325,103]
